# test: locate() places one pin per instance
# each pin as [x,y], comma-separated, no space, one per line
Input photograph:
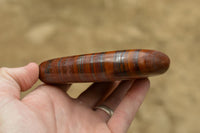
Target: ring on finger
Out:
[106,109]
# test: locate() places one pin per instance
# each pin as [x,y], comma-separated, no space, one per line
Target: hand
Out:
[48,109]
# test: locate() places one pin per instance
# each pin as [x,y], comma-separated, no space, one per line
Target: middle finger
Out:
[97,92]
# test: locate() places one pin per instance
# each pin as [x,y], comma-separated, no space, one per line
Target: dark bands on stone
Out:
[47,70]
[135,61]
[104,67]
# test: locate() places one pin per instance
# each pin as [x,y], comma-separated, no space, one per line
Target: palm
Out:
[48,109]
[55,113]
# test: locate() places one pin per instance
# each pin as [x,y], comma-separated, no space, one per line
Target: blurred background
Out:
[37,30]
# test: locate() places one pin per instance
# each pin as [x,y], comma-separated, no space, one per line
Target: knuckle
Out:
[138,99]
[120,113]
[3,71]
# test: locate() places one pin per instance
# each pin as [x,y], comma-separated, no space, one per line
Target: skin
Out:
[48,109]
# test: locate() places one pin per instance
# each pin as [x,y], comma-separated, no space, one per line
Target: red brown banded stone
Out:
[105,66]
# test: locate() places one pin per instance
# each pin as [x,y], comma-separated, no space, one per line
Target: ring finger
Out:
[115,98]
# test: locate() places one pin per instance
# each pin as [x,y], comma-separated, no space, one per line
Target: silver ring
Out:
[106,109]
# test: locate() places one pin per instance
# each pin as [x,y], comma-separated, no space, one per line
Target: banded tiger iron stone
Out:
[104,66]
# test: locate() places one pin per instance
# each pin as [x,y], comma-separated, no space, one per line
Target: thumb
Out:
[14,80]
